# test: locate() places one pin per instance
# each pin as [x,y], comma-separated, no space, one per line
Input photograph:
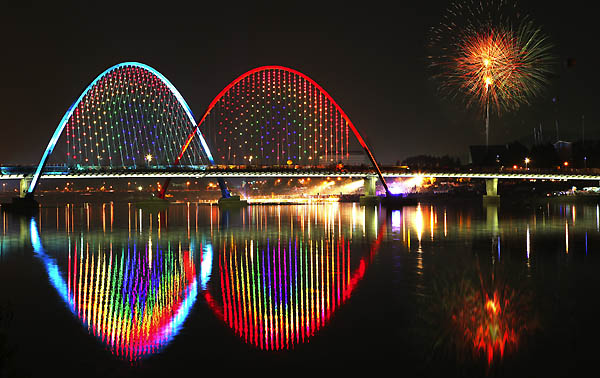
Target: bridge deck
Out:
[265,173]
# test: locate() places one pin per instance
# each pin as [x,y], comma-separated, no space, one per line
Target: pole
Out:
[487,123]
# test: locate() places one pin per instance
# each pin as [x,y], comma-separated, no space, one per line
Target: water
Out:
[105,289]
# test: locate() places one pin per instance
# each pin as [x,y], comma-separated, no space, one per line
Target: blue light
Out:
[172,328]
[51,267]
[65,118]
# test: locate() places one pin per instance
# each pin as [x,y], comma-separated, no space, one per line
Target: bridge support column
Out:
[227,201]
[24,186]
[369,197]
[491,191]
[232,202]
[25,203]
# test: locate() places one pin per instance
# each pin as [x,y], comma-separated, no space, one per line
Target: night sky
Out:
[370,56]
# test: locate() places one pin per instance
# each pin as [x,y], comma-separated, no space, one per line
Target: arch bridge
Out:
[131,121]
[131,117]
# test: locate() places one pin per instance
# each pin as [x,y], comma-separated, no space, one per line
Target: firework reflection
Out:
[476,319]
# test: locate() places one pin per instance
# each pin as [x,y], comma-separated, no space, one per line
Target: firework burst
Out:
[490,54]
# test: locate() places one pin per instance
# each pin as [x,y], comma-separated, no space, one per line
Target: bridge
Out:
[132,122]
[491,177]
[131,116]
[266,172]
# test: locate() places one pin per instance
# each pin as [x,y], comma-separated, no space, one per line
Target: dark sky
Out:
[370,56]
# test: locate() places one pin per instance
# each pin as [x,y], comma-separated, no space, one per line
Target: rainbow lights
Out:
[128,112]
[274,115]
[134,300]
[131,116]
[275,294]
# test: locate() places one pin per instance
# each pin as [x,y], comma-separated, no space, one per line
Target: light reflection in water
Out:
[276,292]
[278,295]
[134,302]
[277,279]
[566,237]
[419,223]
[528,243]
[396,220]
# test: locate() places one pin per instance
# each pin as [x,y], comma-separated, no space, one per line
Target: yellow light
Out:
[486,62]
[149,157]
[419,222]
[492,307]
[488,80]
[527,160]
[566,163]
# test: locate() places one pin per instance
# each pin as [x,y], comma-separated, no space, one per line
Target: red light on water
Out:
[490,330]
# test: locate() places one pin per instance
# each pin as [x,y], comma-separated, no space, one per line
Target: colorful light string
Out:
[135,301]
[277,294]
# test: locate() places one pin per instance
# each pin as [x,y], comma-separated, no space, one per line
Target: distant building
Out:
[564,150]
[487,156]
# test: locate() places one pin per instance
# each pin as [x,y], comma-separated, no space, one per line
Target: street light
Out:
[526,162]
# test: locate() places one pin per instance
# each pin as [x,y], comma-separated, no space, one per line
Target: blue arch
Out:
[69,112]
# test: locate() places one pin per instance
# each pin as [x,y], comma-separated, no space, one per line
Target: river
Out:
[107,289]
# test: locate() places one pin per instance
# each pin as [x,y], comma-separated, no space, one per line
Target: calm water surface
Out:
[106,289]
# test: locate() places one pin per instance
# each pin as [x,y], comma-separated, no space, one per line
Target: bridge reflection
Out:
[274,277]
[274,296]
[278,290]
[134,298]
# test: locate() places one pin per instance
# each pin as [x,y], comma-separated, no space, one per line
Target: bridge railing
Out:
[60,170]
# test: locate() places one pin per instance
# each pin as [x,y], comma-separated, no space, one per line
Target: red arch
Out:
[311,81]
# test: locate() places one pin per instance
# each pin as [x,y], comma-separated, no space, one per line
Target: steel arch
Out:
[68,114]
[311,81]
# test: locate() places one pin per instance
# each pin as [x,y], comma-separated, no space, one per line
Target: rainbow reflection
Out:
[134,300]
[277,293]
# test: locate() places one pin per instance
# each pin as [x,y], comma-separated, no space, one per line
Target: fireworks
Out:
[491,54]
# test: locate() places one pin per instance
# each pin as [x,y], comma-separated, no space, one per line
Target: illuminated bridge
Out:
[369,175]
[242,172]
[131,117]
[132,122]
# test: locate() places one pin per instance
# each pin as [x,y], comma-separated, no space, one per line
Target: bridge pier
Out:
[369,197]
[24,186]
[227,201]
[491,191]
[232,202]
[25,203]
